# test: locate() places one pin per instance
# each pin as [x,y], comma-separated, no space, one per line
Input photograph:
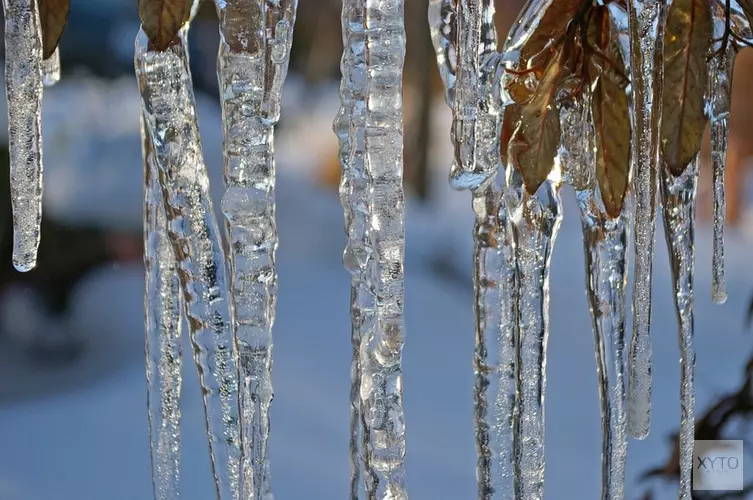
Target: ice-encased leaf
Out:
[53,15]
[162,19]
[536,135]
[687,38]
[242,25]
[610,112]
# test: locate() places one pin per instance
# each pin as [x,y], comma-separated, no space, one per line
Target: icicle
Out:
[718,106]
[646,25]
[377,121]
[535,221]
[23,86]
[253,62]
[358,257]
[169,109]
[475,117]
[162,305]
[51,69]
[678,198]
[605,242]
[443,27]
[494,277]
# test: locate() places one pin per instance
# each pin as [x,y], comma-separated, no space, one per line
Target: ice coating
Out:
[23,88]
[678,198]
[51,69]
[605,242]
[535,222]
[443,27]
[718,101]
[475,119]
[646,26]
[170,116]
[251,76]
[162,308]
[358,256]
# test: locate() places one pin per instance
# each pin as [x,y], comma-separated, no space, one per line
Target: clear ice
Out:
[169,109]
[359,254]
[605,242]
[372,194]
[51,69]
[646,26]
[678,199]
[718,99]
[23,87]
[256,37]
[493,265]
[162,308]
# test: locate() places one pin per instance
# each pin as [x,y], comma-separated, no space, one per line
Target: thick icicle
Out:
[443,27]
[169,109]
[535,222]
[381,348]
[162,306]
[646,26]
[23,86]
[358,257]
[256,36]
[718,107]
[678,198]
[475,118]
[51,69]
[605,242]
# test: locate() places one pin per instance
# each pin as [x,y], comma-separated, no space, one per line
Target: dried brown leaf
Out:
[609,106]
[534,142]
[162,19]
[53,16]
[238,23]
[687,38]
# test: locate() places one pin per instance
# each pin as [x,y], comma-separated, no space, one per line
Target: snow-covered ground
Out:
[88,440]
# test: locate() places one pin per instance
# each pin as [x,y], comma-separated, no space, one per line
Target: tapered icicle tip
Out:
[24,260]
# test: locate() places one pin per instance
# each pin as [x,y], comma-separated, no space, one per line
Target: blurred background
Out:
[72,384]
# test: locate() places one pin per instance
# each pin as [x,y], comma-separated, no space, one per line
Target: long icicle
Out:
[23,86]
[51,69]
[678,198]
[535,222]
[252,65]
[605,242]
[646,26]
[718,102]
[493,270]
[381,351]
[169,108]
[358,255]
[162,307]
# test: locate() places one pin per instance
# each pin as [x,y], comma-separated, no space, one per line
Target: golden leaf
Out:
[536,137]
[238,23]
[687,38]
[609,106]
[162,19]
[53,16]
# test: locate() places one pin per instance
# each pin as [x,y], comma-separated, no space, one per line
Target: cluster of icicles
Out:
[228,301]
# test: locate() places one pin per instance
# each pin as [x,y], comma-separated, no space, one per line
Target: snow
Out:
[88,441]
